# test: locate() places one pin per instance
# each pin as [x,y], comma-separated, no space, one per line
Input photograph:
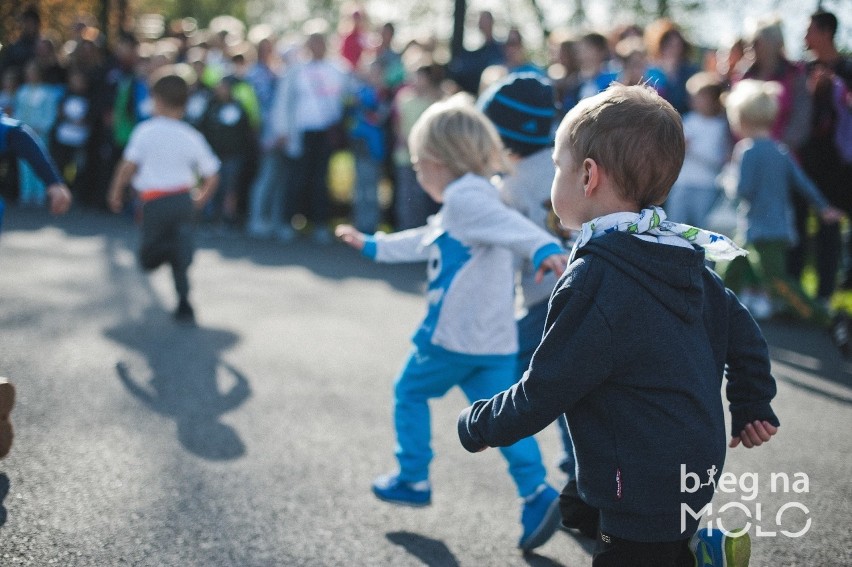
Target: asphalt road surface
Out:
[252,439]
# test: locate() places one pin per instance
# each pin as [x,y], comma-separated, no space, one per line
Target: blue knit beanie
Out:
[521,106]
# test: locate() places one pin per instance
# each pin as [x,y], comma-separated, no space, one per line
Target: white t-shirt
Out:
[169,155]
[708,144]
[320,86]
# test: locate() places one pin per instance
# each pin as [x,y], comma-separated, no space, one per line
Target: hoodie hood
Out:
[671,274]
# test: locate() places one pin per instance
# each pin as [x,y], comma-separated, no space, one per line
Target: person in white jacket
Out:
[468,337]
[308,106]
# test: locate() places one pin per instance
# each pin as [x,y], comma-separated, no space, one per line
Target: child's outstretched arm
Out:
[398,247]
[754,434]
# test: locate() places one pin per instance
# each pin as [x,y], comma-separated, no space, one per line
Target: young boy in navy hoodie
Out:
[638,338]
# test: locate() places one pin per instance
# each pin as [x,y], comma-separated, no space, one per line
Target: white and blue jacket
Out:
[470,246]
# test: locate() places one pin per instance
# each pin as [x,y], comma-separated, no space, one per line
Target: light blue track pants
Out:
[431,375]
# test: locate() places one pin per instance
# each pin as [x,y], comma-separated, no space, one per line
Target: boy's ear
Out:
[591,176]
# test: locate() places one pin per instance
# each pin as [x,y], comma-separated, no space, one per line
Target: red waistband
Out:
[151,194]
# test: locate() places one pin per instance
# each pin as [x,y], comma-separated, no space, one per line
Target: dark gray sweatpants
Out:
[166,237]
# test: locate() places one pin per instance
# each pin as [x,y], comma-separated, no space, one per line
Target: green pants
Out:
[765,268]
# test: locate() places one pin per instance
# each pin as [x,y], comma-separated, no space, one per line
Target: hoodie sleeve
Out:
[404,246]
[573,359]
[751,386]
[476,217]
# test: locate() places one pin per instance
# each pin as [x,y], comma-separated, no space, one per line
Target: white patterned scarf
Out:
[652,221]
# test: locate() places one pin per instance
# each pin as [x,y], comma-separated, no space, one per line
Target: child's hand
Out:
[60,198]
[754,434]
[830,215]
[351,236]
[555,263]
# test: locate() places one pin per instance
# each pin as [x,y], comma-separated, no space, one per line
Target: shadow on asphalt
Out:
[185,372]
[804,357]
[333,261]
[430,551]
[4,492]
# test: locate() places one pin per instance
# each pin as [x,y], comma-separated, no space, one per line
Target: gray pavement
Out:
[252,439]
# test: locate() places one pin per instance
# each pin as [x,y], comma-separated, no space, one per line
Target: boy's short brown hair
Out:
[171,88]
[634,135]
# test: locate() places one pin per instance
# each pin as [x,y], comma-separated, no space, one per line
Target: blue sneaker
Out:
[539,518]
[718,549]
[390,489]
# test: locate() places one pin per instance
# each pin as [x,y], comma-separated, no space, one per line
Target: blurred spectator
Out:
[200,94]
[370,112]
[728,58]
[353,34]
[52,72]
[18,53]
[592,54]
[73,129]
[635,69]
[770,63]
[466,67]
[564,70]
[412,204]
[669,51]
[243,91]
[35,106]
[130,98]
[266,216]
[390,60]
[227,129]
[262,77]
[765,44]
[308,107]
[763,174]
[125,103]
[708,147]
[829,76]
[516,55]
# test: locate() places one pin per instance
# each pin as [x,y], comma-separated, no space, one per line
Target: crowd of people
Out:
[275,110]
[242,134]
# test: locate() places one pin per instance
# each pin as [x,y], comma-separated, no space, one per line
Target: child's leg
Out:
[524,457]
[155,239]
[167,237]
[422,378]
[772,257]
[184,245]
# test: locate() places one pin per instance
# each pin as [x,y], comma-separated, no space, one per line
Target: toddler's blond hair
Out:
[456,134]
[753,103]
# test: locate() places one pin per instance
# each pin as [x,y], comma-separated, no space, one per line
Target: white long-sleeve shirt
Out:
[470,247]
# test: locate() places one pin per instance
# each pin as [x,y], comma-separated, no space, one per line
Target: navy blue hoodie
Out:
[638,338]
